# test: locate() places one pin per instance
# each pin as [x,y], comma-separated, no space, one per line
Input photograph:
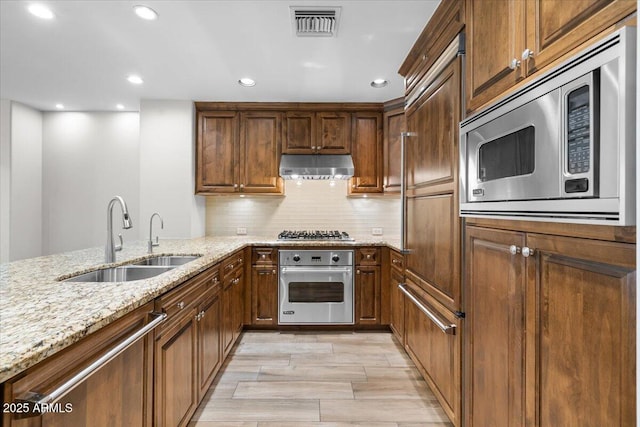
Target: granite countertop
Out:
[40,315]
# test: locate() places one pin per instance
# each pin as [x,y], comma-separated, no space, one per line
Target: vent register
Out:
[315,21]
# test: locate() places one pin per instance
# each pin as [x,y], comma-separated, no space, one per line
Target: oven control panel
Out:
[307,257]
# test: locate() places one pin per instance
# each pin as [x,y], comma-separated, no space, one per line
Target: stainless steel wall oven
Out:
[316,287]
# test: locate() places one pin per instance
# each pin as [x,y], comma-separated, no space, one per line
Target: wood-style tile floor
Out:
[319,379]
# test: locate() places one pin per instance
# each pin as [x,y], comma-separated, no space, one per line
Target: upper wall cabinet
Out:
[238,152]
[367,153]
[393,124]
[307,132]
[510,40]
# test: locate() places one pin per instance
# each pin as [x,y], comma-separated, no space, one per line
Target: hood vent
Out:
[315,21]
[316,166]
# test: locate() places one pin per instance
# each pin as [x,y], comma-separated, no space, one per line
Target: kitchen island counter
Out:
[41,315]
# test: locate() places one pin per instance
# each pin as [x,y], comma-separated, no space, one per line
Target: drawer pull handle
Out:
[180,305]
[447,329]
[60,392]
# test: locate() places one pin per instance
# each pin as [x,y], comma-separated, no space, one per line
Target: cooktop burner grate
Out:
[315,235]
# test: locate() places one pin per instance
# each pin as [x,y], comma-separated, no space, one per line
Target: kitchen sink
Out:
[168,260]
[125,273]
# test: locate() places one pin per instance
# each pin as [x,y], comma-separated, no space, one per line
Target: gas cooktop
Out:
[315,235]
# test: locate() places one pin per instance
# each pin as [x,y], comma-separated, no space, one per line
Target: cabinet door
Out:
[228,317]
[117,394]
[432,155]
[554,27]
[494,329]
[366,149]
[260,155]
[217,152]
[209,341]
[394,123]
[397,305]
[333,133]
[299,133]
[495,37]
[264,295]
[367,295]
[238,304]
[176,383]
[436,354]
[581,320]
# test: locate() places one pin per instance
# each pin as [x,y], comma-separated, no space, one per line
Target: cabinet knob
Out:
[526,54]
[368,256]
[273,271]
[230,266]
[394,261]
[514,249]
[180,305]
[514,64]
[263,256]
[235,185]
[216,280]
[239,260]
[527,252]
[357,271]
[241,186]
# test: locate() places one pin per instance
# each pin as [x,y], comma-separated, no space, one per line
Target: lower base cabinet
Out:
[116,395]
[436,353]
[550,334]
[397,304]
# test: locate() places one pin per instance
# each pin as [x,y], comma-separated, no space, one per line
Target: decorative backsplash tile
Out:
[313,205]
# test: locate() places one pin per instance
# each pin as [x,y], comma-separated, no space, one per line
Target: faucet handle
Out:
[118,248]
[157,243]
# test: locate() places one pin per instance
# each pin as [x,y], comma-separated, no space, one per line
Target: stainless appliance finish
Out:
[561,148]
[314,235]
[316,166]
[316,287]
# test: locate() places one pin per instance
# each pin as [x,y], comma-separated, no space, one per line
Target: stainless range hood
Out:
[316,166]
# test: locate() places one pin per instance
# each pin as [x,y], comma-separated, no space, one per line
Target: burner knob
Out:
[296,258]
[335,258]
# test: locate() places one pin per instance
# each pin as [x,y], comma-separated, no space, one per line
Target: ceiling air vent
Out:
[315,21]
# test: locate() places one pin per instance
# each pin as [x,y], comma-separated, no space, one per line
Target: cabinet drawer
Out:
[264,256]
[179,300]
[368,256]
[231,263]
[397,260]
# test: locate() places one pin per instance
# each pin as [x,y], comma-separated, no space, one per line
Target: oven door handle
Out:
[315,270]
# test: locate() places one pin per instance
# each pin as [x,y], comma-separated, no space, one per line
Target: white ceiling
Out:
[197,50]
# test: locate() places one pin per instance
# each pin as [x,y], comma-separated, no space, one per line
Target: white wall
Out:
[5,178]
[312,206]
[88,159]
[25,240]
[167,169]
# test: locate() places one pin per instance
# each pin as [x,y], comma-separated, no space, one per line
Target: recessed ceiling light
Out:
[120,107]
[378,83]
[247,82]
[60,106]
[41,11]
[145,12]
[136,80]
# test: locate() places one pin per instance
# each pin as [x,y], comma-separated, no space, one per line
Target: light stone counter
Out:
[40,315]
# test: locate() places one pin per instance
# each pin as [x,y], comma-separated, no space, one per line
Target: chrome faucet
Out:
[150,244]
[111,249]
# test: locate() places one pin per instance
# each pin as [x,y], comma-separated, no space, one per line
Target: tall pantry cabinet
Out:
[432,288]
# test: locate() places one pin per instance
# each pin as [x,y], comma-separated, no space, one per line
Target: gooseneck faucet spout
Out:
[150,244]
[110,248]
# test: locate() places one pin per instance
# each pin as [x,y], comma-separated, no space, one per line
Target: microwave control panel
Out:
[578,131]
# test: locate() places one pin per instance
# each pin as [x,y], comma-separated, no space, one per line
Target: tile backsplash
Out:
[313,205]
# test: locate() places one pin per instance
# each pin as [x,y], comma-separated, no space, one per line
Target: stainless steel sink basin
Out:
[125,273]
[168,260]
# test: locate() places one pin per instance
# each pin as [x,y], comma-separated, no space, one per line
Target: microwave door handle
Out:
[314,270]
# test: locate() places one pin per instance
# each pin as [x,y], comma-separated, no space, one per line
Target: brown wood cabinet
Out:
[233,285]
[368,286]
[550,330]
[432,222]
[436,354]
[209,339]
[393,123]
[333,133]
[367,151]
[494,329]
[217,152]
[118,394]
[238,152]
[299,132]
[264,287]
[510,40]
[396,278]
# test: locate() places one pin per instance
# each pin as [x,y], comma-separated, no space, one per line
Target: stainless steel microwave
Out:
[562,148]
